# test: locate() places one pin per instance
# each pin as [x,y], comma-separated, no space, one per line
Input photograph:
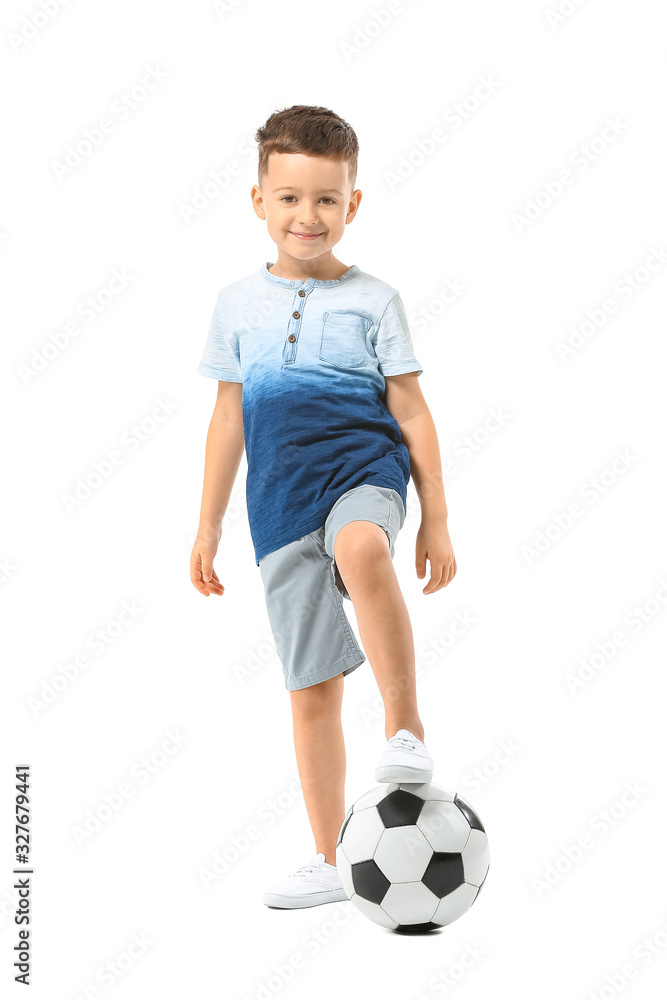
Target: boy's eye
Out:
[325,198]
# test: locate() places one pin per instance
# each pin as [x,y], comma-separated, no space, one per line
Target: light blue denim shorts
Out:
[304,590]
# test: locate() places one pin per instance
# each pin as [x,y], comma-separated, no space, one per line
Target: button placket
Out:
[289,349]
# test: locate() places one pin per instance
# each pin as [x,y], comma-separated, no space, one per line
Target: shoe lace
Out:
[403,743]
[305,869]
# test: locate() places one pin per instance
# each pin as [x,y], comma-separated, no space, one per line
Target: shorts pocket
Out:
[343,341]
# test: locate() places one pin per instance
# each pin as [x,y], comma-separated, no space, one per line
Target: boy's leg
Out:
[320,755]
[364,562]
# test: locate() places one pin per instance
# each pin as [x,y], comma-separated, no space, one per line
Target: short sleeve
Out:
[392,341]
[221,354]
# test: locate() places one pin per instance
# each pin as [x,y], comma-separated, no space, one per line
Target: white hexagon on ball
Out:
[410,903]
[403,854]
[362,835]
[375,912]
[476,857]
[444,826]
[455,904]
[344,871]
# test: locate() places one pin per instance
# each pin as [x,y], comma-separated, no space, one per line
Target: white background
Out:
[543,925]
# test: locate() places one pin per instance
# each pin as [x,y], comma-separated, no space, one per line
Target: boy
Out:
[318,381]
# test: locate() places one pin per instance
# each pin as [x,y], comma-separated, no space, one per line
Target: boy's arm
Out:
[407,405]
[224,449]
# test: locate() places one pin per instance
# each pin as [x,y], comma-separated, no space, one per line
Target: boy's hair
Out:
[307,129]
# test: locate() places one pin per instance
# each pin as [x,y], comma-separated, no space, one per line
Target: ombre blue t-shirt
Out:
[312,356]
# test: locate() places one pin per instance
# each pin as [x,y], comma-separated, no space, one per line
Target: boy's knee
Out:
[360,544]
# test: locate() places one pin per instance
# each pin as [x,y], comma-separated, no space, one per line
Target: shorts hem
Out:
[351,661]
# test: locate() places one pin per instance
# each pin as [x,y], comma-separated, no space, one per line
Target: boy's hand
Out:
[434,544]
[202,574]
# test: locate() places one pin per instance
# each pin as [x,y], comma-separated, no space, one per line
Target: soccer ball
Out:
[412,855]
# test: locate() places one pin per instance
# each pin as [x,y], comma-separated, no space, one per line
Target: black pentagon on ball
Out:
[417,928]
[344,824]
[444,873]
[400,808]
[369,882]
[474,821]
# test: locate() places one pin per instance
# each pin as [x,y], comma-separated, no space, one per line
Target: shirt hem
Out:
[401,369]
[309,526]
[317,522]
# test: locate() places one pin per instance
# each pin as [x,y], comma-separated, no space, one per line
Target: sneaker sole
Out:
[403,773]
[309,899]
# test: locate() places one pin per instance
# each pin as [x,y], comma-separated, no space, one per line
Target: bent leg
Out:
[363,557]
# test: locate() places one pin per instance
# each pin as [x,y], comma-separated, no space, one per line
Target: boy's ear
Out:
[353,205]
[257,201]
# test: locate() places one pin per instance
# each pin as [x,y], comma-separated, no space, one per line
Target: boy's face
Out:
[305,194]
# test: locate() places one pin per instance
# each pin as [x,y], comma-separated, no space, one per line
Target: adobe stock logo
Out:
[131,440]
[453,118]
[33,24]
[599,826]
[89,308]
[624,289]
[591,491]
[555,187]
[634,622]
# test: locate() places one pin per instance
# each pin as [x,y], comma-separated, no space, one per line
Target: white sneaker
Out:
[316,882]
[405,758]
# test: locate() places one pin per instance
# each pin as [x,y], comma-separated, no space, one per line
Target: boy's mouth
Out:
[306,236]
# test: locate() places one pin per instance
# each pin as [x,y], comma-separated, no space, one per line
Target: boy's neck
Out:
[321,269]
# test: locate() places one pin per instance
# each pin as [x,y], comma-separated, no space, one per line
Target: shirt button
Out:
[301,292]
[291,338]
[296,315]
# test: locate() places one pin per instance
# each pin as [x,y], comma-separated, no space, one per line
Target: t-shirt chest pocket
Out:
[343,340]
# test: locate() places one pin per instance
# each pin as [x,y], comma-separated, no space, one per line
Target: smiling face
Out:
[307,201]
